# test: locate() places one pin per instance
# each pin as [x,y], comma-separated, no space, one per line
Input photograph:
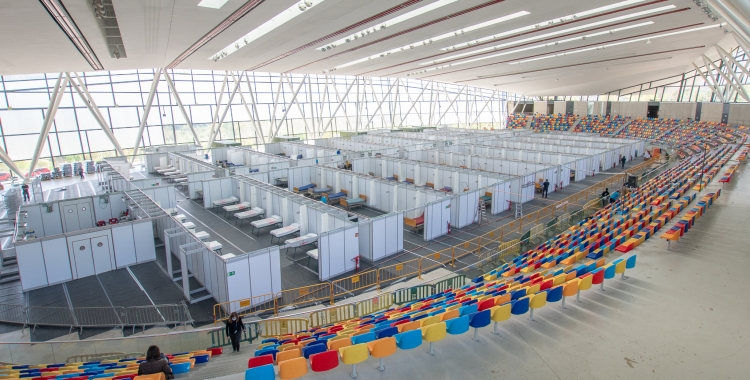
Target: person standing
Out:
[614,196]
[25,191]
[622,160]
[545,188]
[234,330]
[80,172]
[605,197]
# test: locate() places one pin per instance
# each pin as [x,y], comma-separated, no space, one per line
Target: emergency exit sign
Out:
[230,274]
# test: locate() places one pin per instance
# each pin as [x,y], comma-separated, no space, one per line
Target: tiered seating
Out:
[647,128]
[687,221]
[691,138]
[559,122]
[603,125]
[565,265]
[111,369]
[516,121]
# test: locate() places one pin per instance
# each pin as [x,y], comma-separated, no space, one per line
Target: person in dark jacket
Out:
[622,161]
[605,196]
[155,363]
[234,330]
[545,188]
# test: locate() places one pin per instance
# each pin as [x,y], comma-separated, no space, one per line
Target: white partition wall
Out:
[220,188]
[337,250]
[255,276]
[381,237]
[437,215]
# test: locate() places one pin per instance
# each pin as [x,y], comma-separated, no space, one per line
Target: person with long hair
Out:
[155,363]
[234,330]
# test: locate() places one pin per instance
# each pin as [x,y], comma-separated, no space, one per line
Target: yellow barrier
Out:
[332,315]
[353,283]
[248,306]
[375,304]
[276,327]
[396,271]
[304,295]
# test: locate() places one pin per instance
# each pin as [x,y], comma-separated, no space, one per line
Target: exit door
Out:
[78,217]
[100,253]
[84,258]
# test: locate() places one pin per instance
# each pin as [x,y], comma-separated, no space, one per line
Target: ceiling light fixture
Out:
[602,47]
[60,14]
[550,22]
[648,41]
[215,4]
[434,39]
[268,26]
[380,26]
[529,48]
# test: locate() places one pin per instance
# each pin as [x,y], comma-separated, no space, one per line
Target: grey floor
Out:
[681,314]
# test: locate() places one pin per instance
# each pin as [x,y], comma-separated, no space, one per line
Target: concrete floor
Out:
[682,313]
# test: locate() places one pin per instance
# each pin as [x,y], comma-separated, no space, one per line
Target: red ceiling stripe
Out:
[584,63]
[561,51]
[218,29]
[338,33]
[433,22]
[523,34]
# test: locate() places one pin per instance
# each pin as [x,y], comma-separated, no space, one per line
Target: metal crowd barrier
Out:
[80,317]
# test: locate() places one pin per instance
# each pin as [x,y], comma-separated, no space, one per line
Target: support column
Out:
[83,92]
[182,108]
[146,110]
[54,102]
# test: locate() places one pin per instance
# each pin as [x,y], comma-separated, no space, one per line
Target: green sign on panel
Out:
[230,274]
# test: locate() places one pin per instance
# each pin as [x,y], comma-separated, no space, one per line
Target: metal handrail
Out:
[79,317]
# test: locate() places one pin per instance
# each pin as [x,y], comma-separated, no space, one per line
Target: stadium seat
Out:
[569,289]
[259,361]
[388,332]
[179,368]
[354,355]
[313,349]
[499,314]
[478,320]
[520,306]
[584,283]
[264,372]
[457,326]
[287,355]
[382,348]
[537,301]
[335,345]
[409,339]
[434,333]
[324,361]
[364,338]
[292,368]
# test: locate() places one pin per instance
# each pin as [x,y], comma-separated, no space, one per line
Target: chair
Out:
[584,283]
[323,342]
[609,273]
[620,269]
[155,376]
[364,338]
[499,314]
[413,325]
[382,348]
[466,310]
[313,349]
[434,333]
[409,339]
[179,368]
[569,289]
[457,326]
[287,355]
[629,264]
[486,304]
[480,319]
[450,314]
[388,332]
[259,361]
[354,355]
[520,306]
[430,320]
[597,277]
[336,344]
[203,358]
[555,294]
[292,368]
[537,301]
[266,352]
[324,361]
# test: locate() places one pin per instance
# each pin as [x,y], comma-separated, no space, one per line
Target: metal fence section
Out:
[276,327]
[332,315]
[249,306]
[347,285]
[115,316]
[12,313]
[99,316]
[305,295]
[51,316]
[157,314]
[399,270]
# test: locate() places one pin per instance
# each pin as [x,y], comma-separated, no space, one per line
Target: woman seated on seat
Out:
[155,363]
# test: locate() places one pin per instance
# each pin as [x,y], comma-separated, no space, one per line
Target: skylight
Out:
[268,26]
[396,20]
[437,38]
[547,23]
[551,34]
[602,47]
[611,31]
[215,4]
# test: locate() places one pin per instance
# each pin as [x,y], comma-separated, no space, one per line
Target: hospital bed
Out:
[201,235]
[236,207]
[300,242]
[351,203]
[225,201]
[317,193]
[312,254]
[416,224]
[284,231]
[162,170]
[305,188]
[171,173]
[214,246]
[252,213]
[274,220]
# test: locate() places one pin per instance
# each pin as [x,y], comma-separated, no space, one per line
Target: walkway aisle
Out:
[682,314]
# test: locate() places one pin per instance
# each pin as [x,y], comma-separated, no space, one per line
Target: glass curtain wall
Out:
[267,104]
